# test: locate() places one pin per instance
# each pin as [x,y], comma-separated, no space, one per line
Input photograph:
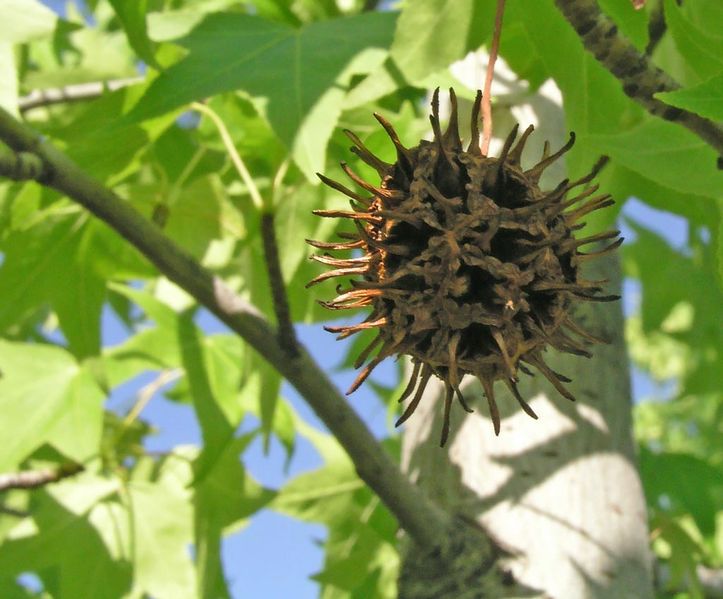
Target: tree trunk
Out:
[560,495]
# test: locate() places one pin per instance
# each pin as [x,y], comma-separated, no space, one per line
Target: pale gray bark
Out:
[561,494]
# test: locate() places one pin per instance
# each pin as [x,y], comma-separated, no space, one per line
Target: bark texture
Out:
[560,497]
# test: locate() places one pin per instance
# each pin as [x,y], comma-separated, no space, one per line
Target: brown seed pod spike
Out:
[468,266]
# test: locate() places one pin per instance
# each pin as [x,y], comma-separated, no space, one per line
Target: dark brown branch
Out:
[32,479]
[424,522]
[287,334]
[640,78]
[656,28]
[72,93]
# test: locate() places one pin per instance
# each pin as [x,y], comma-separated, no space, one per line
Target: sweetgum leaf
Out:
[292,68]
[39,264]
[702,51]
[161,520]
[8,79]
[226,496]
[631,23]
[132,14]
[24,20]
[432,34]
[705,99]
[667,154]
[593,99]
[69,544]
[44,396]
[689,481]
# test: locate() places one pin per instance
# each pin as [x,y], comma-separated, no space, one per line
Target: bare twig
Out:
[287,334]
[148,391]
[487,93]
[11,511]
[72,93]
[426,523]
[31,479]
[640,78]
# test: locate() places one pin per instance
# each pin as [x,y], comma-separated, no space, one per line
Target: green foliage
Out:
[284,77]
[302,112]
[705,99]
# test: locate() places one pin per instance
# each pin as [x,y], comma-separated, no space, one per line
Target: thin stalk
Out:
[233,154]
[487,93]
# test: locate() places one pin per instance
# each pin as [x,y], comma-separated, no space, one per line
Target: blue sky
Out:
[252,556]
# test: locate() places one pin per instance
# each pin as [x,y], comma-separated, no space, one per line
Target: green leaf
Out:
[298,77]
[78,53]
[132,14]
[666,154]
[624,183]
[161,520]
[24,20]
[719,255]
[705,99]
[520,54]
[360,549]
[680,321]
[631,23]
[707,15]
[691,483]
[683,553]
[195,215]
[8,79]
[72,543]
[593,99]
[703,52]
[100,126]
[57,403]
[657,264]
[39,262]
[226,496]
[432,34]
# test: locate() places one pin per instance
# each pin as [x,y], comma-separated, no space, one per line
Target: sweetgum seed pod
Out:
[468,266]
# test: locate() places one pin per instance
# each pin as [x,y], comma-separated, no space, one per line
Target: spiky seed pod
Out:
[467,265]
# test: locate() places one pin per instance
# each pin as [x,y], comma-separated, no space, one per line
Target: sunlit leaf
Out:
[297,77]
[132,14]
[24,20]
[68,543]
[58,403]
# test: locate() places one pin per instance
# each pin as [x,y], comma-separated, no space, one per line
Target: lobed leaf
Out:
[293,69]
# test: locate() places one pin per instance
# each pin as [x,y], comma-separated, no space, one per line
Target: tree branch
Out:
[32,479]
[640,78]
[287,334]
[21,166]
[424,522]
[72,93]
